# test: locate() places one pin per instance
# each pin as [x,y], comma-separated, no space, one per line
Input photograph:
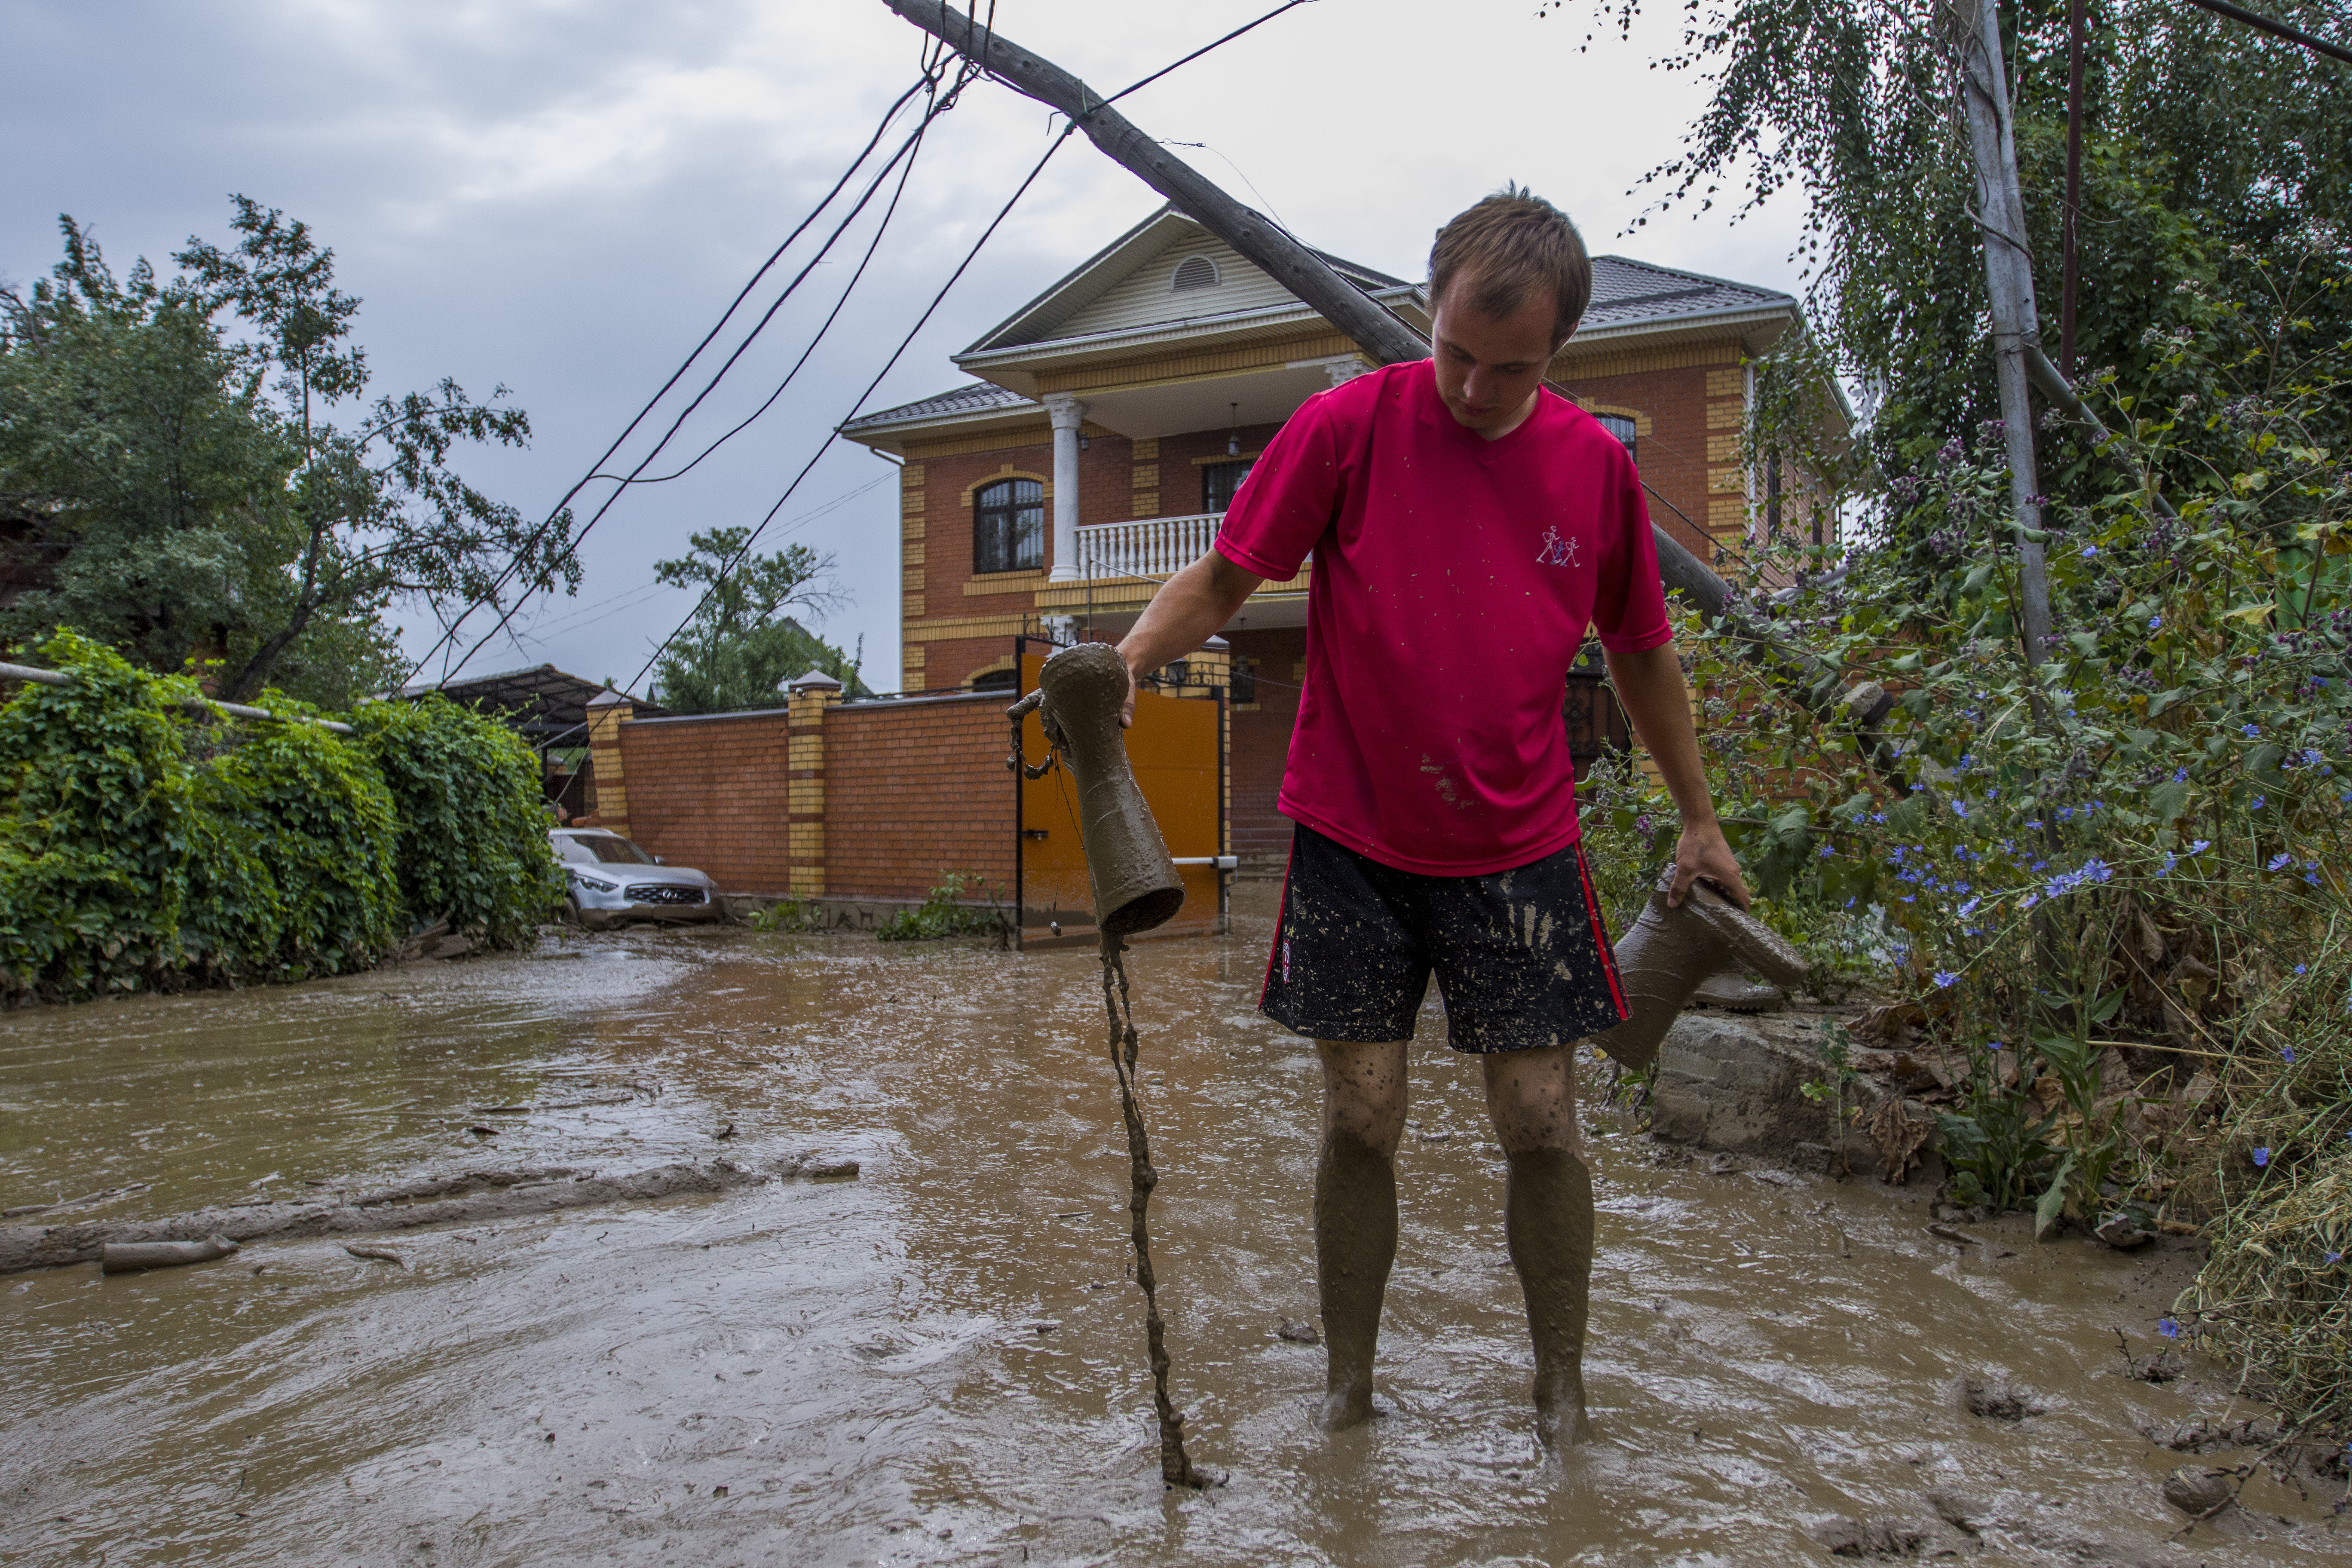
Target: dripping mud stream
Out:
[937,1361]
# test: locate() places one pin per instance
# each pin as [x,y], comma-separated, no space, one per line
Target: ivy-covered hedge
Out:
[142,848]
[471,830]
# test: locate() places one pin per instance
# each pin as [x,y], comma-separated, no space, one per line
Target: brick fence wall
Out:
[914,789]
[905,791]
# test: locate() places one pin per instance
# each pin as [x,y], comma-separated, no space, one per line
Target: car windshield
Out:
[609,848]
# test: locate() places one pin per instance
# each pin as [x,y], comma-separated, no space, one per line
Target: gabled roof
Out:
[1123,301]
[1128,283]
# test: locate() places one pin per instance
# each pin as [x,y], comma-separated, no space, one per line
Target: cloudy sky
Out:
[563,195]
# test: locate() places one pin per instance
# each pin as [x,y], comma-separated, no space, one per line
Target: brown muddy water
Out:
[942,1360]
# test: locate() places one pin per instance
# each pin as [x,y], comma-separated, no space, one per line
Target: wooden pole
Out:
[1378,331]
[2008,280]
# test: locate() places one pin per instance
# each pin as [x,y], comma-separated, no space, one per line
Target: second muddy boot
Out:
[1736,992]
[1670,951]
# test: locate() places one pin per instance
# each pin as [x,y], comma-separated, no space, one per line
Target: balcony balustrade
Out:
[1152,547]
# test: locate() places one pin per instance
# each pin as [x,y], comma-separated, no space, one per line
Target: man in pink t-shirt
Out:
[1469,526]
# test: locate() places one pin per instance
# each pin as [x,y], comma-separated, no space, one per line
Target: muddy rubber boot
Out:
[1355,1247]
[1670,951]
[1736,992]
[1548,1222]
[1136,885]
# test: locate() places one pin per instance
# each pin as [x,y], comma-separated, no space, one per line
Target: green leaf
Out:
[2053,1205]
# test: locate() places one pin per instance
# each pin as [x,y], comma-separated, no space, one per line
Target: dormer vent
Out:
[1196,272]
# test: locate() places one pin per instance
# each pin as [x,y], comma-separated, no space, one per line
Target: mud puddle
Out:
[940,1361]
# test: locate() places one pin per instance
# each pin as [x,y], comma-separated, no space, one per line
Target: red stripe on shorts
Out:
[1601,934]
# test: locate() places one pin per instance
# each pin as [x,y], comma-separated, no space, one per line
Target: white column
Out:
[1067,413]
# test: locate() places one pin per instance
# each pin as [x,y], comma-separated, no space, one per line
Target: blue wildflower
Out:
[2286,1054]
[2279,861]
[2168,1328]
[2170,860]
[2090,551]
[2249,731]
[2299,968]
[2262,1156]
[2155,623]
[2201,846]
[1959,807]
[2260,801]
[1946,979]
[2335,1257]
[2180,775]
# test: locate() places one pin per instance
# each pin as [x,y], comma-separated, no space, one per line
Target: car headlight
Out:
[587,881]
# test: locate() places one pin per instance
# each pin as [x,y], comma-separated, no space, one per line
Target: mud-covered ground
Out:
[940,1360]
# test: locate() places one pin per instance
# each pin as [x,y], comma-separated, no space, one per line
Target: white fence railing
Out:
[1148,547]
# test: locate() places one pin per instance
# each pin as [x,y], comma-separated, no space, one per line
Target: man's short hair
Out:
[1509,248]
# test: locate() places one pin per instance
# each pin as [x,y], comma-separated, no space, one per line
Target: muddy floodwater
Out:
[940,1361]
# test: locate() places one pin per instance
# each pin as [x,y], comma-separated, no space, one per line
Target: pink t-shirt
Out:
[1455,578]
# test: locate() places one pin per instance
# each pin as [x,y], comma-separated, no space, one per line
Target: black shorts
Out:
[1522,956]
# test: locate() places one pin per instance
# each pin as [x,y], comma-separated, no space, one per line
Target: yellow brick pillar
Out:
[608,711]
[806,701]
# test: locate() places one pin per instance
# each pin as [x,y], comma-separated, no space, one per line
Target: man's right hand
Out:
[1184,614]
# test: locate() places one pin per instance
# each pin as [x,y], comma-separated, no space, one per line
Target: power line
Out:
[891,363]
[972,62]
[927,80]
[907,150]
[1196,54]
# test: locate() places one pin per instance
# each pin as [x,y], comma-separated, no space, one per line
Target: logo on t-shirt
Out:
[1556,550]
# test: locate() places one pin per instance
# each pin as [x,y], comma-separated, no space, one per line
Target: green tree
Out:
[740,647]
[2204,172]
[169,446]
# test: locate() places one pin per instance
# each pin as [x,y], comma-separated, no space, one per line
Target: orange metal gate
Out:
[1177,749]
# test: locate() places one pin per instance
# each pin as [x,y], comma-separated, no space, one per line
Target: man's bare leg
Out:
[1356,1214]
[1548,1221]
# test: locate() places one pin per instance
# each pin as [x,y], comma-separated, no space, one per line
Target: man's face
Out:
[1488,367]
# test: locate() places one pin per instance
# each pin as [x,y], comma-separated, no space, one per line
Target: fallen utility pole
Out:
[1380,332]
[193,704]
[2008,280]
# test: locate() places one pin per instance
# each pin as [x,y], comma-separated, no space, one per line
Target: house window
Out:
[1219,481]
[1622,426]
[1244,679]
[1194,273]
[1009,527]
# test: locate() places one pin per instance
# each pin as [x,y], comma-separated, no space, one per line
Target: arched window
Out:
[1195,272]
[1008,531]
[1622,426]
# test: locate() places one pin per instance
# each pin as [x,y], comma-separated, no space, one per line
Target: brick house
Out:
[1109,420]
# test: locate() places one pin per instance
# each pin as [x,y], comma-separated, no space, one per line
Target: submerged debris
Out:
[126,1257]
[472,1196]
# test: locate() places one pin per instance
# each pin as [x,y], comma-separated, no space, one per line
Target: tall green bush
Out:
[472,829]
[291,868]
[95,817]
[142,847]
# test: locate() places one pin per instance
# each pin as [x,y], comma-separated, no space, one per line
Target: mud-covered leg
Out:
[1548,1221]
[1356,1214]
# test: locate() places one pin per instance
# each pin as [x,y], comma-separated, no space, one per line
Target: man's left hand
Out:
[1703,852]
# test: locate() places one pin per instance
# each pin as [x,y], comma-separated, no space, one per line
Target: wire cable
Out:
[888,365]
[927,80]
[907,151]
[1196,54]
